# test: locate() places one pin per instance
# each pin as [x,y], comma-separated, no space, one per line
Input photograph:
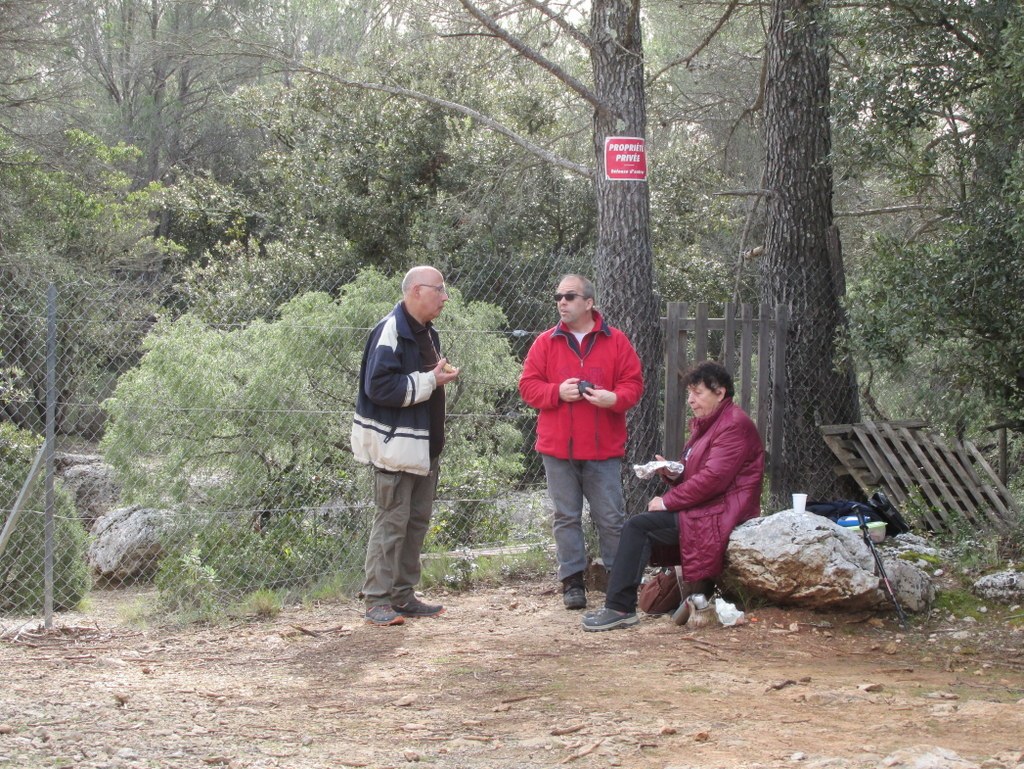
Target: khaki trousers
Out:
[404,504]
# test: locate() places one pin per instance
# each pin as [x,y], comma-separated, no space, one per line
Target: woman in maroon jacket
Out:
[720,487]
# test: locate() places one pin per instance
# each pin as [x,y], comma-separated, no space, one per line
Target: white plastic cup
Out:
[800,503]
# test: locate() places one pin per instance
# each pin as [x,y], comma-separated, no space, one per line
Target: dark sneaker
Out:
[608,619]
[574,591]
[383,615]
[575,598]
[416,608]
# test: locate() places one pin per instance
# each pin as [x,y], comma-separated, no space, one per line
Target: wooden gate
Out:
[752,349]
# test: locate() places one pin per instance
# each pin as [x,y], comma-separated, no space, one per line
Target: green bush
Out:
[257,417]
[248,425]
[219,559]
[21,565]
[187,586]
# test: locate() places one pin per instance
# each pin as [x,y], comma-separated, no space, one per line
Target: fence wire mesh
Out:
[202,435]
[202,427]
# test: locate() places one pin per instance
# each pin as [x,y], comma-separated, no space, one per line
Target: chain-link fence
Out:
[202,436]
[201,429]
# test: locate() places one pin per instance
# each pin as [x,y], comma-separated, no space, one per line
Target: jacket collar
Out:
[600,327]
[407,325]
[700,425]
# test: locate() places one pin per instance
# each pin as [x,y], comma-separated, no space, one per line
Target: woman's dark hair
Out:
[710,374]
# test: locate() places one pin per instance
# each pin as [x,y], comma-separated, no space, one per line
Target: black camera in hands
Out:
[583,385]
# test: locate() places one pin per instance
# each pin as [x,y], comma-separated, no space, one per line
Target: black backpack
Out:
[878,508]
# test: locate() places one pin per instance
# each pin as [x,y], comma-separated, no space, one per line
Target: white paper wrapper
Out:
[728,614]
[649,469]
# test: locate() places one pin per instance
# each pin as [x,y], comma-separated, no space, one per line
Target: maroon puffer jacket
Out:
[720,487]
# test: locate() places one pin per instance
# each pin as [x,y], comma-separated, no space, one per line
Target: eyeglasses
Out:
[569,296]
[440,288]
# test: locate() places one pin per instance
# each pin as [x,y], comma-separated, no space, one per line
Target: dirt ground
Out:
[507,678]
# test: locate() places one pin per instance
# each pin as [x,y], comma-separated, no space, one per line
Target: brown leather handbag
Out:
[660,594]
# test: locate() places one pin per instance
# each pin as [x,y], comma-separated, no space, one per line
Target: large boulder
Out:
[805,560]
[91,482]
[62,460]
[913,588]
[1004,586]
[126,544]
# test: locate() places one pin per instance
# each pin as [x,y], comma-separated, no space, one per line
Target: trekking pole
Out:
[878,563]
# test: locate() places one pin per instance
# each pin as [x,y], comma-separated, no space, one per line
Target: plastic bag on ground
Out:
[728,614]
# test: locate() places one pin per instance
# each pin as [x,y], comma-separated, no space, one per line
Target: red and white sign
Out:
[625,159]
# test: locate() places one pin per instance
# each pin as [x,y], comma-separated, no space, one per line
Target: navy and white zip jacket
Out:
[391,427]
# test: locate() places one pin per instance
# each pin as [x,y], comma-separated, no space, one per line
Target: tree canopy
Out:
[220,161]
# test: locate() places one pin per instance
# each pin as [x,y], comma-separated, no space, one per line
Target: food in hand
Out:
[648,470]
[448,368]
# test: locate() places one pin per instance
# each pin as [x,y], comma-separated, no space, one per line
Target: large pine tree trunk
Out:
[802,265]
[624,262]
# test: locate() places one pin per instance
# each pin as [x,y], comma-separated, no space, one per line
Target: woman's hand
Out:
[656,504]
[664,472]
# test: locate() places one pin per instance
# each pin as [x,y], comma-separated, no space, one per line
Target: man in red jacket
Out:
[720,488]
[582,376]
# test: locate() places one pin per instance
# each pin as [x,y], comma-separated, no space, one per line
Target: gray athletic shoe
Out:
[608,619]
[382,615]
[416,608]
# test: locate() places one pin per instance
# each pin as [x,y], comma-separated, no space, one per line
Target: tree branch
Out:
[942,21]
[484,120]
[528,53]
[730,9]
[754,192]
[559,19]
[884,211]
[743,253]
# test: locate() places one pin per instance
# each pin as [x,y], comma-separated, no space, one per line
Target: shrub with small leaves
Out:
[22,585]
[187,586]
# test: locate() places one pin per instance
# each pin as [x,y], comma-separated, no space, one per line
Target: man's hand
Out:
[444,372]
[603,399]
[569,390]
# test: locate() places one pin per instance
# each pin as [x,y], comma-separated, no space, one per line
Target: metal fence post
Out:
[51,416]
[12,518]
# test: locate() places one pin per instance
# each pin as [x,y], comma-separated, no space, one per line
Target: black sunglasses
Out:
[568,296]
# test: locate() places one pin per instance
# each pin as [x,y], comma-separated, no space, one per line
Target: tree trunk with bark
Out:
[624,261]
[802,264]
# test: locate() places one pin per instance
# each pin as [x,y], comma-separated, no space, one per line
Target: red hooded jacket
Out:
[580,430]
[720,487]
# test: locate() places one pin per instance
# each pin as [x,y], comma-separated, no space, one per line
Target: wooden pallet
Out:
[905,456]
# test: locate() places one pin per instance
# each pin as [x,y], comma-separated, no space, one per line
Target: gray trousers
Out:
[404,505]
[569,481]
